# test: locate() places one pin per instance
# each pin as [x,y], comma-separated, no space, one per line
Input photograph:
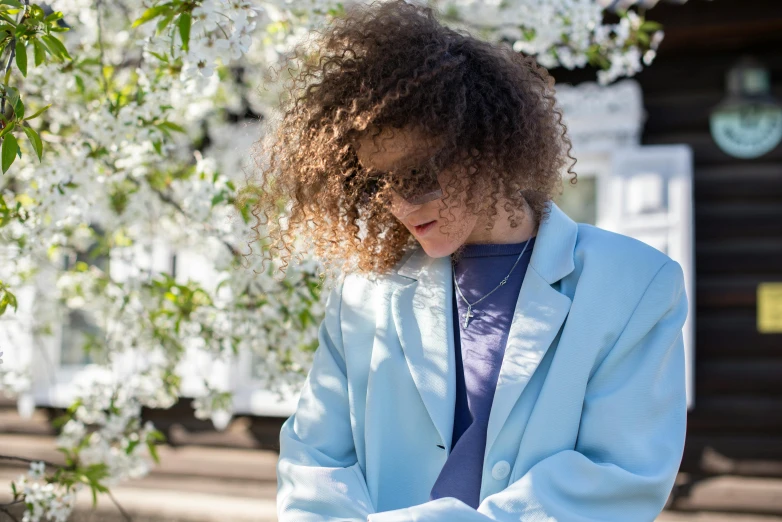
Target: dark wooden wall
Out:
[738,226]
[736,424]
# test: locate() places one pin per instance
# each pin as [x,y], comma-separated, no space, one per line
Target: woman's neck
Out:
[502,232]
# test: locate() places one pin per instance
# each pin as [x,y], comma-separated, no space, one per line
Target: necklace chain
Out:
[469,313]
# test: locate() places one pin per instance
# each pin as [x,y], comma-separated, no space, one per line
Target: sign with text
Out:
[770,307]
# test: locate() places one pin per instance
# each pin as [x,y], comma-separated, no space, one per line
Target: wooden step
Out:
[711,516]
[190,461]
[727,494]
[753,455]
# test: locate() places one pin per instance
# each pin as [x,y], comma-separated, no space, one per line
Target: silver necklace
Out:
[469,313]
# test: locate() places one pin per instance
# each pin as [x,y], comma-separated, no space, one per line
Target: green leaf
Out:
[163,23]
[39,52]
[66,452]
[8,129]
[38,112]
[35,141]
[157,435]
[159,56]
[14,3]
[48,48]
[7,299]
[171,125]
[9,149]
[153,451]
[36,13]
[21,57]
[18,109]
[184,29]
[80,83]
[56,15]
[149,14]
[57,46]
[131,446]
[650,25]
[16,102]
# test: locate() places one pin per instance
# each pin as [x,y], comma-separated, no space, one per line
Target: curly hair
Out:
[393,65]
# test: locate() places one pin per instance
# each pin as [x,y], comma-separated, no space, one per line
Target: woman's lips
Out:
[426,227]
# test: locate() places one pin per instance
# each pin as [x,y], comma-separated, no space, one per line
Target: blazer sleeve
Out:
[318,475]
[630,440]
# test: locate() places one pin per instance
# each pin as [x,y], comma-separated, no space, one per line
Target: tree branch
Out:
[29,461]
[125,514]
[3,510]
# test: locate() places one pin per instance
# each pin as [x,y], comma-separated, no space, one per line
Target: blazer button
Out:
[500,470]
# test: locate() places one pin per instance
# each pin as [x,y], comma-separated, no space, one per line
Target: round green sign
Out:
[747,130]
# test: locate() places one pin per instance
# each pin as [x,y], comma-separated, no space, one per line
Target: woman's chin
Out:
[436,248]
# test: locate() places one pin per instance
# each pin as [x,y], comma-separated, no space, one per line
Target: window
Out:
[579,201]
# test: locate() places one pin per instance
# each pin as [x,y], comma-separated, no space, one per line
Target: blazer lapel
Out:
[422,315]
[422,312]
[539,314]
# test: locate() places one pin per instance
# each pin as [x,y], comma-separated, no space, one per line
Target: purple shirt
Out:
[479,350]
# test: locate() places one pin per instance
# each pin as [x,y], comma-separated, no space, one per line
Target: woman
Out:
[485,357]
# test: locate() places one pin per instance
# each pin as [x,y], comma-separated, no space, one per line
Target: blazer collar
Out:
[422,314]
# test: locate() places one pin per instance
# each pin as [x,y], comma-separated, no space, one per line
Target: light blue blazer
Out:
[589,414]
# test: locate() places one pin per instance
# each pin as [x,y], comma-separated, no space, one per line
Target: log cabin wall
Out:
[736,424]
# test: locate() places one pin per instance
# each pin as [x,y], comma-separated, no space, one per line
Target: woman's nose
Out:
[400,207]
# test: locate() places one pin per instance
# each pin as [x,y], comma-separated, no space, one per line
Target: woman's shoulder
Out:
[595,239]
[623,260]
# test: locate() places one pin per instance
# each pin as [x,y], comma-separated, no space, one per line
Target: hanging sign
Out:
[748,122]
[747,130]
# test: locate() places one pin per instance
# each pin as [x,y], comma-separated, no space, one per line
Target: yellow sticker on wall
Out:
[770,307]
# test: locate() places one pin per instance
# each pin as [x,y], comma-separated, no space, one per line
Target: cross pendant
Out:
[467,315]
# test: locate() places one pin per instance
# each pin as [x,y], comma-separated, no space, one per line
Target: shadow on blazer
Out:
[588,418]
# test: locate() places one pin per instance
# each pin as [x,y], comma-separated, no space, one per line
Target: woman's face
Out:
[384,152]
